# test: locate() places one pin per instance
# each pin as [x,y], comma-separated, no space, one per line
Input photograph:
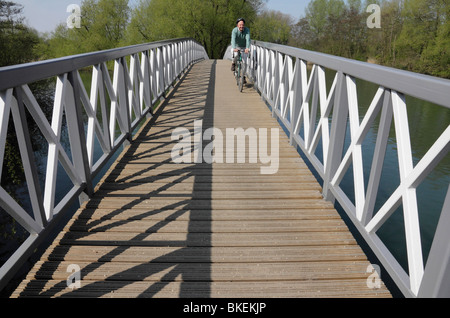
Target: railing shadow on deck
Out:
[173,263]
[316,117]
[323,119]
[120,99]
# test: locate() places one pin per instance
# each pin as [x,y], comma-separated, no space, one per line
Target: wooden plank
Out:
[189,186]
[220,254]
[212,180]
[212,194]
[148,204]
[175,226]
[349,288]
[255,240]
[209,215]
[217,272]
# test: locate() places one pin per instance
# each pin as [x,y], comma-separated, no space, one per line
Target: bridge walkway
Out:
[157,228]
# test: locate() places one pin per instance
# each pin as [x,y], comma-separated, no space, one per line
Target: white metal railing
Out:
[311,113]
[141,76]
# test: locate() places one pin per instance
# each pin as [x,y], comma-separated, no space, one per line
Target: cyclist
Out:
[240,39]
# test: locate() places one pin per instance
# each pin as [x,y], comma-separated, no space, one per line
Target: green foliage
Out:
[272,26]
[381,42]
[414,34]
[17,41]
[17,45]
[103,26]
[209,22]
[436,57]
[157,20]
[423,44]
[319,13]
[330,26]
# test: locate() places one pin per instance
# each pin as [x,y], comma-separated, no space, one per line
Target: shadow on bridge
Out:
[188,263]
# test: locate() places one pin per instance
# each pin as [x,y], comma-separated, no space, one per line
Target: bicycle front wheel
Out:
[237,73]
[241,81]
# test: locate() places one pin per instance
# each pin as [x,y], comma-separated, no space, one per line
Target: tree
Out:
[302,35]
[318,13]
[381,42]
[435,56]
[331,27]
[103,26]
[154,21]
[346,33]
[272,26]
[17,41]
[61,42]
[17,45]
[424,22]
[209,22]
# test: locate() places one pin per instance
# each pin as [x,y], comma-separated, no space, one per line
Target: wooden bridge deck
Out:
[156,228]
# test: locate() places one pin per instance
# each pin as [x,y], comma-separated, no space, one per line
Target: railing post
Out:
[5,108]
[145,92]
[436,278]
[276,81]
[160,72]
[28,160]
[378,157]
[297,100]
[125,105]
[337,135]
[77,134]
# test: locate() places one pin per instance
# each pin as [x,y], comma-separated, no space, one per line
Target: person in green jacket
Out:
[240,40]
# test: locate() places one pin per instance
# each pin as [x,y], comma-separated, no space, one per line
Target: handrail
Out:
[142,75]
[306,107]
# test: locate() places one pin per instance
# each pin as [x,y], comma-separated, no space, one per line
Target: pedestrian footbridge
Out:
[189,188]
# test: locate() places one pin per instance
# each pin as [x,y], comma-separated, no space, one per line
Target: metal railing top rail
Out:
[16,75]
[326,123]
[430,88]
[85,128]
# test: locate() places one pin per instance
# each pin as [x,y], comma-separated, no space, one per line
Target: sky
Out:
[45,15]
[295,8]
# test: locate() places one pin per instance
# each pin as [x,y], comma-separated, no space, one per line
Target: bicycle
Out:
[239,72]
